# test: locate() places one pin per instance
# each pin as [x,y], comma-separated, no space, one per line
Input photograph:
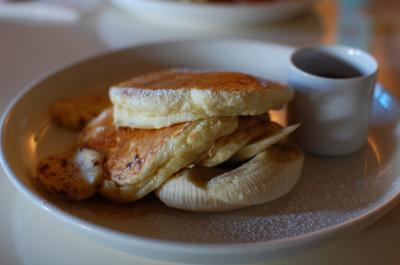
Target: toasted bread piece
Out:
[163,98]
[75,112]
[71,175]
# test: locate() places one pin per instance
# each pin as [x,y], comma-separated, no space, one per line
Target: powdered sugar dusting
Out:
[330,191]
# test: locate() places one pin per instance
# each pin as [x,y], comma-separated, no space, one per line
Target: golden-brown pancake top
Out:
[185,79]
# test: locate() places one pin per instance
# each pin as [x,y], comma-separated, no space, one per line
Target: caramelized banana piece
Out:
[75,112]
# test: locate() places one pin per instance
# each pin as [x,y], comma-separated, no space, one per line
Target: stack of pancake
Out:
[202,141]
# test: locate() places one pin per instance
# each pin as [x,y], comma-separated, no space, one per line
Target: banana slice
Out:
[75,112]
[73,175]
[253,148]
[268,176]
[249,128]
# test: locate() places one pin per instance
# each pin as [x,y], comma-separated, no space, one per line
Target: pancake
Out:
[225,147]
[163,98]
[119,145]
[100,134]
[140,160]
[147,158]
[275,134]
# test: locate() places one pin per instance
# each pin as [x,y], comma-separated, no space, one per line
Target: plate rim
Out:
[355,224]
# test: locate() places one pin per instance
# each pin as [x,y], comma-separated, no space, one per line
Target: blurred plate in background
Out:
[178,13]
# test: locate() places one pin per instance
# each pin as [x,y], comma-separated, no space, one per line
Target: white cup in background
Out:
[334,89]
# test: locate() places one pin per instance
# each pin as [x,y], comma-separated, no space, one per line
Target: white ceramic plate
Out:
[333,197]
[213,14]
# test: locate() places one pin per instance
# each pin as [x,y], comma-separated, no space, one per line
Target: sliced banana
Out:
[75,112]
[253,148]
[268,176]
[72,175]
[249,128]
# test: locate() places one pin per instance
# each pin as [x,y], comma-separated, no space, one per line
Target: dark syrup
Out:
[325,65]
[349,72]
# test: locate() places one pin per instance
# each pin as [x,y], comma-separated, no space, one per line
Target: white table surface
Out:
[29,236]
